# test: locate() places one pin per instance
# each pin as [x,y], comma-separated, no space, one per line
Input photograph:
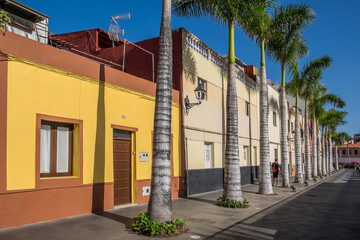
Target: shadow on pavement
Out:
[125,220]
[213,202]
[244,232]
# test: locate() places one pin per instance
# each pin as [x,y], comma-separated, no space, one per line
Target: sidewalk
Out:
[201,214]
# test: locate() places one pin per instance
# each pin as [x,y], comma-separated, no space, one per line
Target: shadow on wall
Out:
[99,158]
[273,103]
[189,64]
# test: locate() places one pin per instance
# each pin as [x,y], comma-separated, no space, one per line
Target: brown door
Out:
[122,171]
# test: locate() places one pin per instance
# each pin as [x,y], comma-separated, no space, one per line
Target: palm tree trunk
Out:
[232,178]
[307,144]
[160,207]
[331,167]
[323,155]
[265,186]
[314,151]
[284,137]
[318,140]
[336,158]
[326,155]
[298,173]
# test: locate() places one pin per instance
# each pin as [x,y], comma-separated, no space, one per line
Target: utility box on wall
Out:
[146,191]
[144,156]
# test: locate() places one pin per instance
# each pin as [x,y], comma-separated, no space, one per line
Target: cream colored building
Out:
[274,121]
[275,127]
[205,123]
[291,131]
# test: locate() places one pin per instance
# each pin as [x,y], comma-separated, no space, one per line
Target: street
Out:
[331,210]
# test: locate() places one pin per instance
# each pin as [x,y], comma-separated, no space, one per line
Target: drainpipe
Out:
[252,180]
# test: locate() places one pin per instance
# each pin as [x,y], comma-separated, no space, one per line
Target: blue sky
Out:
[336,32]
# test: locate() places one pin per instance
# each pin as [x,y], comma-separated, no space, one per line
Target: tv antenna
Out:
[114,28]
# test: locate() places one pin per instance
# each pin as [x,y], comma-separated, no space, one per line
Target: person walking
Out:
[276,172]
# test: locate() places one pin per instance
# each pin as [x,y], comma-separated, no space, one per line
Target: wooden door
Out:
[122,171]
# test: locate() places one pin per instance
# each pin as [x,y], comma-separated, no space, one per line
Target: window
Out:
[208,155]
[55,149]
[292,126]
[202,95]
[247,108]
[276,154]
[349,152]
[344,152]
[356,152]
[274,119]
[245,156]
[333,151]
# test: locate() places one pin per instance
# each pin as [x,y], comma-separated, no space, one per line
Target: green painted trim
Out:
[262,49]
[231,56]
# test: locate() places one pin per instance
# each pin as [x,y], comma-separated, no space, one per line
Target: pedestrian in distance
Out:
[275,172]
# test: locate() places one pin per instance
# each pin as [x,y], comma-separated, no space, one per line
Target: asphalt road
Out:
[330,210]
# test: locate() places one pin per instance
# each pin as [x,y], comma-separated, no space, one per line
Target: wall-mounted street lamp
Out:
[200,96]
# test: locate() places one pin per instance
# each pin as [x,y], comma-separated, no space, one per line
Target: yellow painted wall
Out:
[34,88]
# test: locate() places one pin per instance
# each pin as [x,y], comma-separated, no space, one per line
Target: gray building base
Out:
[212,179]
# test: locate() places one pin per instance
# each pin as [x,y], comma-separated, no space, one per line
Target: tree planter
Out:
[221,201]
[144,226]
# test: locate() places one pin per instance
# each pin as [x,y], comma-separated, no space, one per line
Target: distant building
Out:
[26,21]
[349,152]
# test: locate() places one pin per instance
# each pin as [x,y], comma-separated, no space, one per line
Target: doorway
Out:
[122,167]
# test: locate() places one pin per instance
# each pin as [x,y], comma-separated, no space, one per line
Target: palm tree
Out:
[300,86]
[160,207]
[257,24]
[287,45]
[319,99]
[339,139]
[226,13]
[334,118]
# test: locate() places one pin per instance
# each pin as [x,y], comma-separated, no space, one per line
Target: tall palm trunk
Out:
[323,158]
[318,140]
[326,155]
[314,151]
[284,137]
[336,158]
[307,144]
[331,168]
[232,178]
[160,207]
[265,186]
[298,173]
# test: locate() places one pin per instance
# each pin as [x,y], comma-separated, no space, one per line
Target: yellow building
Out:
[76,136]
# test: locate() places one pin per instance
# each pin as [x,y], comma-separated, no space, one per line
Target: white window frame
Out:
[208,156]
[245,155]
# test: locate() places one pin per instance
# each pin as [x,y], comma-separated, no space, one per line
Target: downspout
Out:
[250,144]
[184,149]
